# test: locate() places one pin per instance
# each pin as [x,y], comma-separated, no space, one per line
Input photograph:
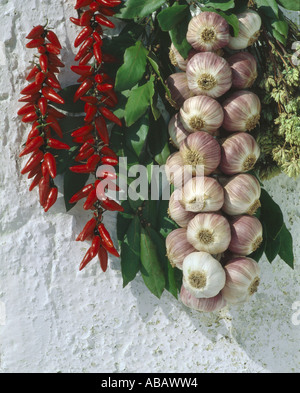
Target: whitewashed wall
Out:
[55,319]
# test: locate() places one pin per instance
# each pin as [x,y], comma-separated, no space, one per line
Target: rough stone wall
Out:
[60,320]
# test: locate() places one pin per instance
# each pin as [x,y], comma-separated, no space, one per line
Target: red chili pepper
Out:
[110,116]
[42,50]
[52,49]
[84,155]
[112,250]
[91,111]
[33,162]
[43,60]
[107,11]
[43,104]
[82,194]
[82,70]
[39,78]
[52,81]
[83,139]
[35,32]
[80,169]
[94,6]
[57,145]
[105,236]
[30,117]
[87,258]
[83,130]
[44,190]
[31,89]
[109,161]
[86,17]
[34,132]
[35,43]
[55,60]
[82,3]
[83,35]
[53,123]
[109,3]
[51,95]
[86,58]
[102,130]
[107,58]
[93,161]
[106,151]
[32,73]
[30,98]
[83,89]
[102,20]
[52,198]
[34,172]
[97,37]
[90,99]
[90,200]
[76,21]
[103,259]
[85,47]
[111,205]
[98,52]
[33,145]
[51,164]
[96,243]
[35,181]
[26,109]
[104,87]
[105,174]
[88,230]
[52,37]
[111,94]
[54,112]
[52,68]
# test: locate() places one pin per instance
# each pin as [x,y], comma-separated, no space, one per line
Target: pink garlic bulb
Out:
[176,131]
[241,111]
[208,74]
[244,70]
[246,235]
[208,32]
[239,154]
[249,30]
[176,210]
[201,113]
[179,89]
[176,171]
[178,247]
[177,60]
[202,152]
[212,304]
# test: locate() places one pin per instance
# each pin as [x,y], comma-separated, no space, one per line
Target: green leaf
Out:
[139,101]
[136,135]
[223,5]
[241,6]
[286,246]
[272,247]
[165,224]
[130,252]
[171,16]
[139,8]
[133,68]
[152,272]
[149,212]
[271,215]
[178,35]
[158,141]
[68,95]
[154,63]
[268,7]
[73,182]
[293,5]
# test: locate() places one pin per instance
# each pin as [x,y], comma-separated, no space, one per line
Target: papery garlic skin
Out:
[242,280]
[202,194]
[249,30]
[209,232]
[203,275]
[240,153]
[176,171]
[207,32]
[176,210]
[208,74]
[176,130]
[178,247]
[201,113]
[179,89]
[241,111]
[212,304]
[241,195]
[246,235]
[244,70]
[201,152]
[176,59]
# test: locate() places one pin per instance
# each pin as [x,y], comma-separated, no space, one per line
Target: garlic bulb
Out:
[202,194]
[179,89]
[242,280]
[212,304]
[244,70]
[201,113]
[207,32]
[241,195]
[246,235]
[176,59]
[176,131]
[208,74]
[202,152]
[209,232]
[249,30]
[176,171]
[241,111]
[203,275]
[178,247]
[177,211]
[239,154]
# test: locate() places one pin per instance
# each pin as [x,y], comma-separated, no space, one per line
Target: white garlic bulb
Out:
[241,111]
[242,280]
[241,195]
[246,235]
[201,113]
[203,275]
[240,153]
[209,232]
[179,89]
[244,70]
[176,130]
[178,247]
[207,32]
[212,304]
[208,74]
[201,152]
[202,194]
[177,172]
[249,30]
[176,210]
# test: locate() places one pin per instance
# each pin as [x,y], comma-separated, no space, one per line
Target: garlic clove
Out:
[244,70]
[179,89]
[201,152]
[208,74]
[177,211]
[203,275]
[178,247]
[202,194]
[201,113]
[209,232]
[207,32]
[176,131]
[241,195]
[249,30]
[242,280]
[240,153]
[246,235]
[212,304]
[241,111]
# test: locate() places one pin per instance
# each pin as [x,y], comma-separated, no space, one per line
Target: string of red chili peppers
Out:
[41,165]
[96,90]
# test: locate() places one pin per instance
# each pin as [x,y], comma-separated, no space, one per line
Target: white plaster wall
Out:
[60,320]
